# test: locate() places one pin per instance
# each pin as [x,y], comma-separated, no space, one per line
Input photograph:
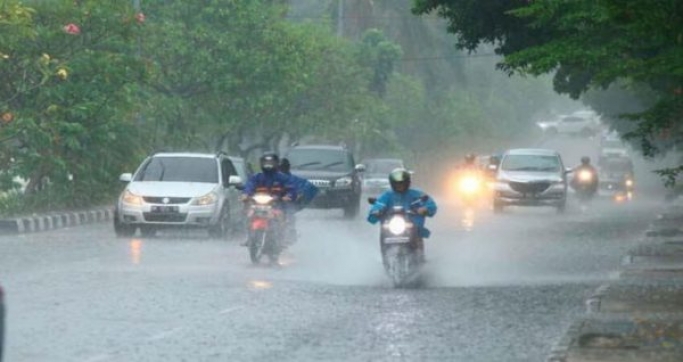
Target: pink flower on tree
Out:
[140,17]
[72,29]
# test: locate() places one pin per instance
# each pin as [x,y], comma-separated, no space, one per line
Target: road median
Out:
[53,221]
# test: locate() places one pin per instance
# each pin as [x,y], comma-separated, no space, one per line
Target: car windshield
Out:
[381,167]
[179,169]
[533,163]
[319,159]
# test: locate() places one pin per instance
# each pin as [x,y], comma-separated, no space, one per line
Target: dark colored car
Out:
[333,170]
[2,321]
[376,175]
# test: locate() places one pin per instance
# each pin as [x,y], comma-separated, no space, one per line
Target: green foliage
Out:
[67,93]
[588,45]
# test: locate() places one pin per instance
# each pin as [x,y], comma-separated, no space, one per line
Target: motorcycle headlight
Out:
[629,182]
[585,176]
[397,225]
[207,199]
[262,199]
[469,185]
[343,182]
[131,198]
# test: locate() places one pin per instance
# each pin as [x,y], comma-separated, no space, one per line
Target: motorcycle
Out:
[469,186]
[266,228]
[398,242]
[585,185]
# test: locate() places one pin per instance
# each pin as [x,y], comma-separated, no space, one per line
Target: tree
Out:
[69,74]
[587,45]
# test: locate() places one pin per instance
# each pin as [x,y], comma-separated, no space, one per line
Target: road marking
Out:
[165,334]
[230,310]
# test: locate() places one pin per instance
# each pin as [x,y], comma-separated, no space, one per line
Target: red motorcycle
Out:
[266,227]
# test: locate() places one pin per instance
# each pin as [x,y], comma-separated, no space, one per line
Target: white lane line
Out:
[164,334]
[98,358]
[230,310]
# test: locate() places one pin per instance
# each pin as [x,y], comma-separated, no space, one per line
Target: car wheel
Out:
[122,230]
[148,231]
[222,227]
[351,211]
[561,208]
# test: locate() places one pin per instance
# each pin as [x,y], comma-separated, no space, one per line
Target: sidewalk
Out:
[639,316]
[52,221]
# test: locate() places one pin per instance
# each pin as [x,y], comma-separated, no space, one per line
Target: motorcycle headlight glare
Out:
[469,185]
[585,176]
[343,182]
[207,199]
[262,199]
[397,225]
[131,198]
[629,182]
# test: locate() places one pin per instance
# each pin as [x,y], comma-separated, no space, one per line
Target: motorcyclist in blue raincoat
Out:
[270,180]
[401,194]
[305,190]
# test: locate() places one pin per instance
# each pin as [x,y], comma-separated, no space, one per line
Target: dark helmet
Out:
[585,160]
[470,158]
[269,162]
[399,176]
[285,165]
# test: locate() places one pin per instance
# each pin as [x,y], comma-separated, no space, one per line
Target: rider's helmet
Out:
[269,162]
[585,160]
[285,165]
[470,158]
[399,179]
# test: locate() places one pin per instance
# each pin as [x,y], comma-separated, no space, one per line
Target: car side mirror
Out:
[126,177]
[372,200]
[360,168]
[234,181]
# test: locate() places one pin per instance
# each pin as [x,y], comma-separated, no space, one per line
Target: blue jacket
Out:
[390,198]
[304,189]
[276,181]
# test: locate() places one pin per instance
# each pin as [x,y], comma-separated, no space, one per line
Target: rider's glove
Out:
[423,211]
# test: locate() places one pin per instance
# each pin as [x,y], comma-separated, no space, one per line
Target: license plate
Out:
[397,240]
[163,209]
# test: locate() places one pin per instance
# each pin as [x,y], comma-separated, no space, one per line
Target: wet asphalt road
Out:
[497,288]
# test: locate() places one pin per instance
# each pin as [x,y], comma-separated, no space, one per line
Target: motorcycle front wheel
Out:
[256,244]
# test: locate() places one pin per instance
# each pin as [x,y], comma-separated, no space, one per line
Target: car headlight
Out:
[131,198]
[397,225]
[343,182]
[207,199]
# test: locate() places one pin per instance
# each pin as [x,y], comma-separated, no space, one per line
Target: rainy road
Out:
[497,288]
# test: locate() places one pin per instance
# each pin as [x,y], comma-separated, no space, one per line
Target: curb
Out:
[30,224]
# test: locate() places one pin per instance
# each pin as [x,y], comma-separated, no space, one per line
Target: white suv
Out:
[180,190]
[583,123]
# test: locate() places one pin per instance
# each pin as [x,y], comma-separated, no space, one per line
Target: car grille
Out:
[320,183]
[171,200]
[153,217]
[535,187]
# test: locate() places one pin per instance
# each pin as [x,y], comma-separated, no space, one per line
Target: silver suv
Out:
[531,177]
[180,190]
